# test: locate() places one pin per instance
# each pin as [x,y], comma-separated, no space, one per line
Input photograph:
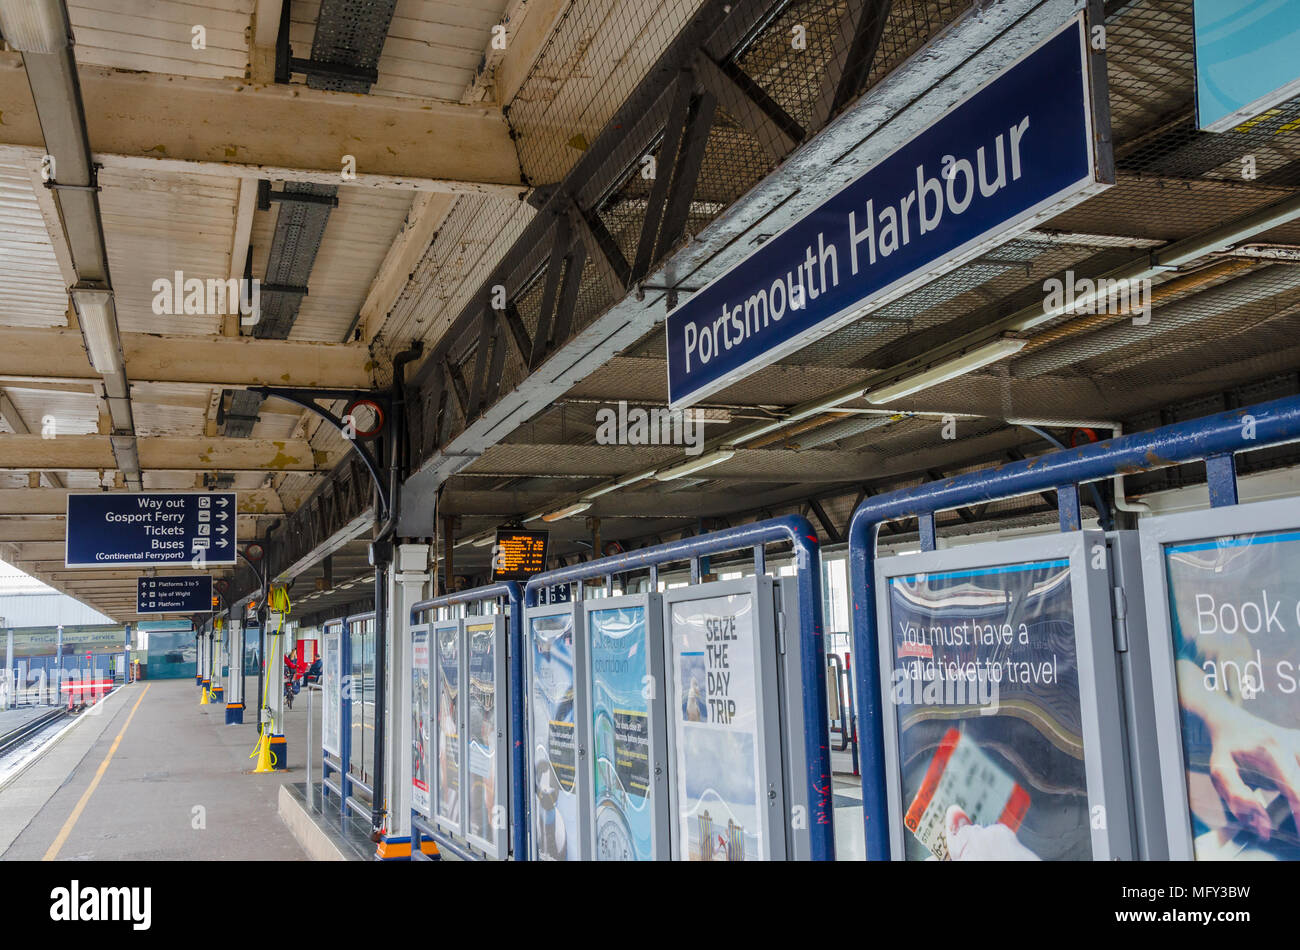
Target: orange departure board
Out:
[518,555]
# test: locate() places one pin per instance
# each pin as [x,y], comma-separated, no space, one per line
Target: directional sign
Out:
[191,529]
[188,594]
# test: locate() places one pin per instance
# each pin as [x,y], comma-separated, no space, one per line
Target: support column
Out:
[276,645]
[127,676]
[198,657]
[235,674]
[218,641]
[58,667]
[407,583]
[10,681]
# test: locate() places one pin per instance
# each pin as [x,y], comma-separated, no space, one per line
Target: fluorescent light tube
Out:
[561,513]
[98,321]
[942,373]
[694,465]
[34,26]
[485,540]
[615,486]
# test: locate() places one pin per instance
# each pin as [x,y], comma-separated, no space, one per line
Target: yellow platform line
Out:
[68,825]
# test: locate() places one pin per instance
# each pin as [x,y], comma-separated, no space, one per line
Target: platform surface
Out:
[173,783]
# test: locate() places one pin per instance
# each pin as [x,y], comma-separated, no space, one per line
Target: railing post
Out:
[1221,476]
[1067,505]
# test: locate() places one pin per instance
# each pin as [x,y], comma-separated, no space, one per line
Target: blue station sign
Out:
[1018,150]
[185,594]
[192,529]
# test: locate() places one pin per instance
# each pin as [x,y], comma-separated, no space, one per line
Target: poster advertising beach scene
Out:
[552,720]
[448,698]
[715,717]
[420,722]
[621,727]
[481,741]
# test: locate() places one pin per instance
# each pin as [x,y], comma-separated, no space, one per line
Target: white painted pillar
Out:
[408,581]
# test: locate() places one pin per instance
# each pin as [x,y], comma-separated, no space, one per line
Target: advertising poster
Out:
[481,741]
[621,730]
[448,680]
[551,710]
[1234,605]
[985,686]
[332,686]
[715,717]
[420,722]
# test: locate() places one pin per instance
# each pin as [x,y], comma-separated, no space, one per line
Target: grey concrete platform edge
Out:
[25,793]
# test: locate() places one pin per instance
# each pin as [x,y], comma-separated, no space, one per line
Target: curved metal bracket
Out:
[306,398]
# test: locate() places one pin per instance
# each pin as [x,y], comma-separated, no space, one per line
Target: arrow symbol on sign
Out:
[223,501]
[223,529]
[222,516]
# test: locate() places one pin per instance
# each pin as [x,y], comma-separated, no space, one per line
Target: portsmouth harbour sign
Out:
[146,529]
[1017,151]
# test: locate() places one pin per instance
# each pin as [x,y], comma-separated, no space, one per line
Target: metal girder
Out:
[748,104]
[669,151]
[517,333]
[829,526]
[603,251]
[860,30]
[685,172]
[560,242]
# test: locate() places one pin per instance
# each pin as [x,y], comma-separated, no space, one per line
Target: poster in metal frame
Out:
[422,732]
[447,722]
[626,825]
[1273,520]
[487,736]
[546,698]
[1094,653]
[332,689]
[691,704]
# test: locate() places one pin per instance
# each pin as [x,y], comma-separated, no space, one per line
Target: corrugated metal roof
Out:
[34,292]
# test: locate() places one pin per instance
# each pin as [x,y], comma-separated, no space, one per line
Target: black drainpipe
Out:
[382,555]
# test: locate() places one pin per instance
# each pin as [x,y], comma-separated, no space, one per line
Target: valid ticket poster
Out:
[985,688]
[618,647]
[420,751]
[448,679]
[551,711]
[715,718]
[481,741]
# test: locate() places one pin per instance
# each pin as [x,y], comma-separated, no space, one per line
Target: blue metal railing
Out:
[812,674]
[1214,438]
[508,590]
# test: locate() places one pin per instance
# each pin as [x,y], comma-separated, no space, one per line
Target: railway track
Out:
[15,737]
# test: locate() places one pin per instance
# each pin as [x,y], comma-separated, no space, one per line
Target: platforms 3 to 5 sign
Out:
[151,529]
[186,594]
